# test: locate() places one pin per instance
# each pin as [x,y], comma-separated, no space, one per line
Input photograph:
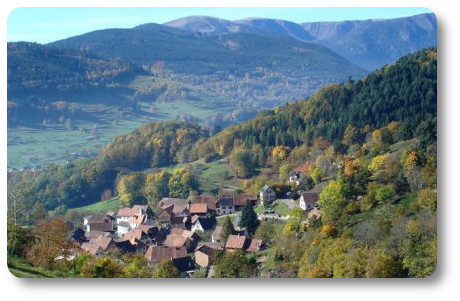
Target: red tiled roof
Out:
[254,245]
[198,208]
[211,200]
[157,254]
[128,212]
[241,199]
[235,242]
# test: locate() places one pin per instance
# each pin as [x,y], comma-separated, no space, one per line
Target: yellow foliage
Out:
[412,159]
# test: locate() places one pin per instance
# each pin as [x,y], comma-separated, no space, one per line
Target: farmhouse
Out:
[266,195]
[308,200]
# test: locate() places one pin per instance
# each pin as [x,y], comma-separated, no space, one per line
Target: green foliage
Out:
[137,268]
[235,265]
[227,229]
[248,218]
[265,231]
[182,183]
[101,267]
[332,201]
[18,239]
[242,164]
[165,269]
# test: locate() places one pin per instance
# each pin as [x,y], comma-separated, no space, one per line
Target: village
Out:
[189,233]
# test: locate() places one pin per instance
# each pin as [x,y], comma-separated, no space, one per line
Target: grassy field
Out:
[277,206]
[102,206]
[22,269]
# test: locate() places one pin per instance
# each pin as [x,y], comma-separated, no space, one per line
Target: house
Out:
[236,242]
[225,205]
[205,252]
[215,236]
[209,199]
[134,217]
[125,246]
[178,256]
[202,224]
[137,235]
[198,209]
[99,222]
[91,249]
[296,177]
[308,200]
[241,242]
[266,195]
[181,238]
[255,245]
[97,245]
[178,205]
[240,200]
[156,233]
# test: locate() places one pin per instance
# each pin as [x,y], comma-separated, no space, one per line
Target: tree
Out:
[235,265]
[101,267]
[16,204]
[51,242]
[18,239]
[165,269]
[316,175]
[227,228]
[129,189]
[265,231]
[428,198]
[332,201]
[138,268]
[241,163]
[249,218]
[182,183]
[156,187]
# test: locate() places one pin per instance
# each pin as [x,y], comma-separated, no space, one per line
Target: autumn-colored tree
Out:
[137,268]
[182,183]
[317,175]
[165,269]
[351,166]
[280,153]
[351,135]
[129,189]
[156,187]
[101,267]
[294,222]
[51,245]
[428,198]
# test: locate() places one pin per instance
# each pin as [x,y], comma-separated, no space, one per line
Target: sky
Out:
[47,24]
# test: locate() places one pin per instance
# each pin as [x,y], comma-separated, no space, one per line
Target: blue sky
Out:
[43,24]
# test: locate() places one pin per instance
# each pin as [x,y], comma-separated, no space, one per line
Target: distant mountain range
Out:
[369,44]
[212,71]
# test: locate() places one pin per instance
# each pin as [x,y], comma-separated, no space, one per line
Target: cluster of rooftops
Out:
[171,234]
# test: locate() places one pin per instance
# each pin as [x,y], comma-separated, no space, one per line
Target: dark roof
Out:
[124,224]
[125,246]
[99,218]
[226,201]
[79,235]
[103,227]
[184,264]
[206,223]
[206,247]
[310,198]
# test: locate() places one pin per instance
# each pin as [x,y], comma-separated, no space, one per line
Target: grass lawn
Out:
[19,268]
[277,206]
[102,206]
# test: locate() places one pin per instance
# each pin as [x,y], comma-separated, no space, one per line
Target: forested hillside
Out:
[341,116]
[367,149]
